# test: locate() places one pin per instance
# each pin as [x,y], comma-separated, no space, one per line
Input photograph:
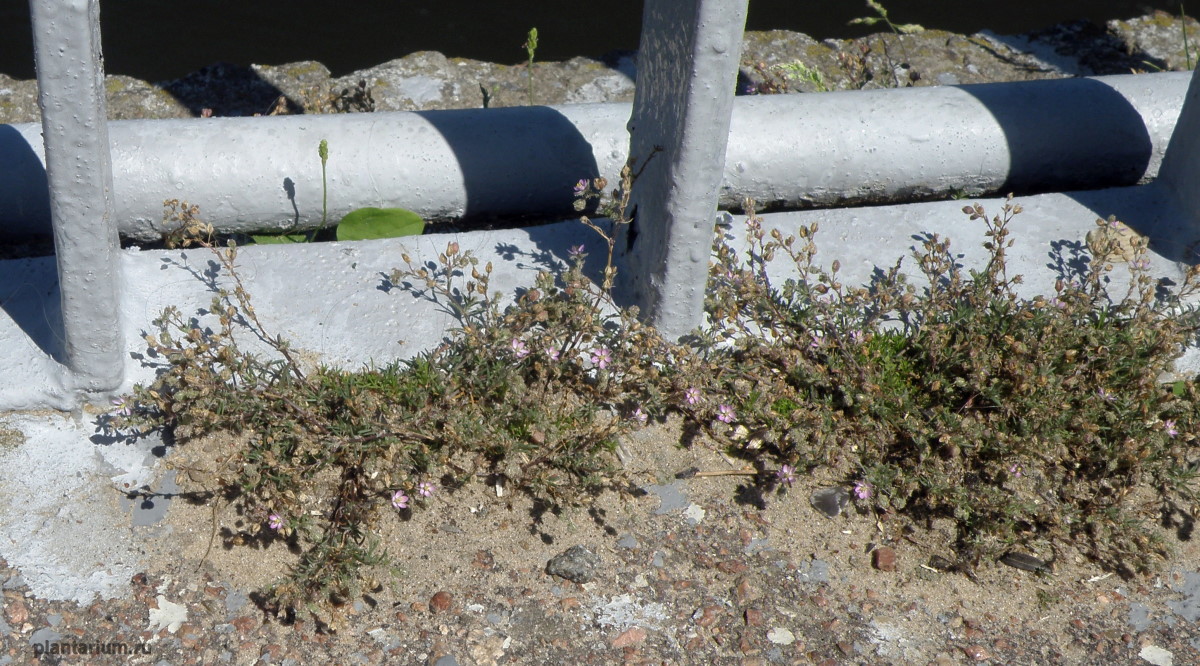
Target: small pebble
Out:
[884,558]
[441,602]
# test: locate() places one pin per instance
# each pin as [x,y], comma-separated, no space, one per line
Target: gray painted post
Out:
[687,71]
[1180,169]
[70,71]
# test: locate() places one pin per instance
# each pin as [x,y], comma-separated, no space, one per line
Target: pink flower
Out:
[692,395]
[601,357]
[725,413]
[274,521]
[640,416]
[863,490]
[576,251]
[425,489]
[786,475]
[123,406]
[1169,426]
[400,500]
[818,338]
[1017,470]
[519,349]
[552,352]
[581,186]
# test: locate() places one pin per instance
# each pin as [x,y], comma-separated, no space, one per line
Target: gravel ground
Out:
[698,570]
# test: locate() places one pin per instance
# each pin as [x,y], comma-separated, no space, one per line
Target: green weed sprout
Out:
[323,151]
[358,224]
[897,28]
[882,17]
[1187,52]
[530,45]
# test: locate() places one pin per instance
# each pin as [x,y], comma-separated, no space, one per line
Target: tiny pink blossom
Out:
[601,357]
[400,500]
[1017,470]
[576,251]
[581,186]
[425,489]
[692,395]
[1169,426]
[552,352]
[786,474]
[519,349]
[274,521]
[818,337]
[1106,396]
[123,406]
[640,416]
[725,413]
[863,490]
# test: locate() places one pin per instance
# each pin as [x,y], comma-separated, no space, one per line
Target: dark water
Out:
[164,39]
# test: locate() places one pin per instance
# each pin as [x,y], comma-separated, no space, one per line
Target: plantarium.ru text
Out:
[1027,425]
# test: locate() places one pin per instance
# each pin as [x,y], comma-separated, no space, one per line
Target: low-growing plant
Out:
[1025,421]
[1028,423]
[533,396]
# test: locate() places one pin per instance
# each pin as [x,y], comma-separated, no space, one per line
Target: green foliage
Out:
[358,224]
[368,223]
[530,45]
[881,16]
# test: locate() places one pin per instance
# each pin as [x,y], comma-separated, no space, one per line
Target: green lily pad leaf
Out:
[367,223]
[279,239]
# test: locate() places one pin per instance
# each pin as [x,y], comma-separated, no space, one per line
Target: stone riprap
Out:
[429,80]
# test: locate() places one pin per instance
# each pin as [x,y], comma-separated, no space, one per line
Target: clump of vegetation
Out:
[1028,423]
[1025,421]
[533,397]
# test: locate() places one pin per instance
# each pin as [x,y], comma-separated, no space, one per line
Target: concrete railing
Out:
[787,151]
[66,39]
[790,151]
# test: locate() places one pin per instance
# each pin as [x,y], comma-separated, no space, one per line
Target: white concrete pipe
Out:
[784,150]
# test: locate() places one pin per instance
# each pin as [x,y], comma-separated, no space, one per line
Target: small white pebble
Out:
[781,636]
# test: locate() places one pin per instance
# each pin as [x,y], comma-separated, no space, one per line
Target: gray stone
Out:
[1139,616]
[44,635]
[670,497]
[576,564]
[1148,43]
[1189,607]
[830,501]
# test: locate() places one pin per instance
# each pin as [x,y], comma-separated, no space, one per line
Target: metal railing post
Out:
[1180,170]
[70,72]
[687,73]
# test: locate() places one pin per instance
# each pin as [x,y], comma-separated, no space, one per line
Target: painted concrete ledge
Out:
[335,299]
[838,148]
[336,304]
